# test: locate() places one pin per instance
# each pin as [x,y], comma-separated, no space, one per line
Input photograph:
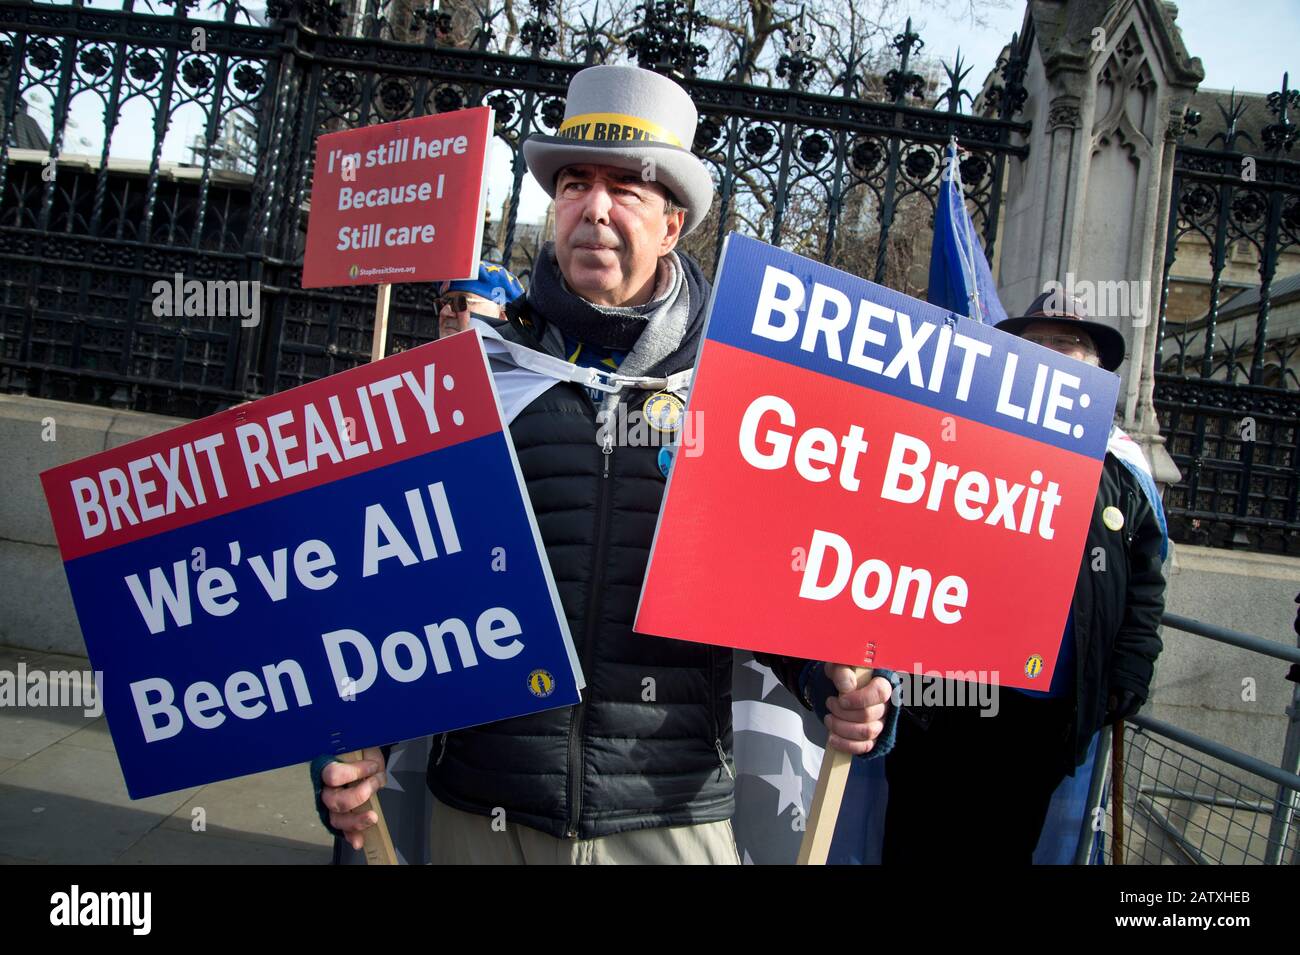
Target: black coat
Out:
[1119,598]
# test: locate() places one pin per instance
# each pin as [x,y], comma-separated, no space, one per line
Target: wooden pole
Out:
[816,845]
[380,341]
[378,845]
[1117,792]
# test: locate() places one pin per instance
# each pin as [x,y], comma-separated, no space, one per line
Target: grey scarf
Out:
[649,332]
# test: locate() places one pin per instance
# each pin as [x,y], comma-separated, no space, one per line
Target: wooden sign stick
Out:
[380,341]
[1117,791]
[816,845]
[378,845]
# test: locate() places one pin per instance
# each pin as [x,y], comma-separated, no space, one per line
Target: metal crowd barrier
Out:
[1181,808]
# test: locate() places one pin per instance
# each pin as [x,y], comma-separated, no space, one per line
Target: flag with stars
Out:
[778,752]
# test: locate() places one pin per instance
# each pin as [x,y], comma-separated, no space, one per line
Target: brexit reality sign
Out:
[884,483]
[399,202]
[346,564]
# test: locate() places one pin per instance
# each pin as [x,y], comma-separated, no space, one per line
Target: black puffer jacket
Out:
[634,754]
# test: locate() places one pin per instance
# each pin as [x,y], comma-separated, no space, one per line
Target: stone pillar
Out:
[1107,83]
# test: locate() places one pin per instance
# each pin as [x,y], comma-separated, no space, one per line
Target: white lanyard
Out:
[561,370]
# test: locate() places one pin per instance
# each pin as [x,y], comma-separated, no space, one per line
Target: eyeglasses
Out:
[456,301]
[460,302]
[1063,343]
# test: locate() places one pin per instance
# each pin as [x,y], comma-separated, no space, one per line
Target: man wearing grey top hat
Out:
[641,769]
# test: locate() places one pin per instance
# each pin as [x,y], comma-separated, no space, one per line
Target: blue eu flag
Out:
[960,278]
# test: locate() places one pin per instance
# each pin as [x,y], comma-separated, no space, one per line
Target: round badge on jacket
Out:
[663,411]
[665,461]
[1113,518]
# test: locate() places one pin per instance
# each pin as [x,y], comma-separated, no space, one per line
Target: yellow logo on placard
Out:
[1034,666]
[354,271]
[540,683]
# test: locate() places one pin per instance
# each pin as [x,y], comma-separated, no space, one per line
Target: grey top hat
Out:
[622,116]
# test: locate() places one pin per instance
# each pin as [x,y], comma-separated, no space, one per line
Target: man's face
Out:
[611,229]
[1062,337]
[453,319]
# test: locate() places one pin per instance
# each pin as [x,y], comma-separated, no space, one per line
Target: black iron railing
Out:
[1227,388]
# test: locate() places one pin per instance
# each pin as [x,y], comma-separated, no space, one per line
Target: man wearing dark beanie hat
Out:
[1025,747]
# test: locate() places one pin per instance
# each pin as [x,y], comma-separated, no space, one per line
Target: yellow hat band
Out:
[616,128]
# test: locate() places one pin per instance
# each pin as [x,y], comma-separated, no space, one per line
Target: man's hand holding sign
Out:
[347,791]
[901,459]
[857,714]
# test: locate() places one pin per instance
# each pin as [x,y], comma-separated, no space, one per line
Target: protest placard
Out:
[882,484]
[399,202]
[346,564]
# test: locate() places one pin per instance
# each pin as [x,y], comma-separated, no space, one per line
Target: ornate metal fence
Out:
[1226,389]
[846,173]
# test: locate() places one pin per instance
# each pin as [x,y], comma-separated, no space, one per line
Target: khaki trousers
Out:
[464,838]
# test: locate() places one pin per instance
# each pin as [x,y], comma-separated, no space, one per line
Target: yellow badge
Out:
[1034,666]
[1112,518]
[663,411]
[541,683]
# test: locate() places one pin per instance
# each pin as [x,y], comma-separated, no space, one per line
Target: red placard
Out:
[399,202]
[880,484]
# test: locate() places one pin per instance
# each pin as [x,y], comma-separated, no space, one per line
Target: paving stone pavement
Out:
[63,799]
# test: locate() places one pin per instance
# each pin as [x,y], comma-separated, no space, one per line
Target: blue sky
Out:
[1243,44]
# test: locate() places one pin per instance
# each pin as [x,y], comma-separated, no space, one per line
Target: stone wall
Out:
[36,610]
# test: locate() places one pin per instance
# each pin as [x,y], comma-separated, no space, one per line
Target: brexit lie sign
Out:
[399,202]
[347,564]
[884,483]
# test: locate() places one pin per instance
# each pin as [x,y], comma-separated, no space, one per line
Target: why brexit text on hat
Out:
[886,484]
[350,563]
[616,127]
[399,202]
